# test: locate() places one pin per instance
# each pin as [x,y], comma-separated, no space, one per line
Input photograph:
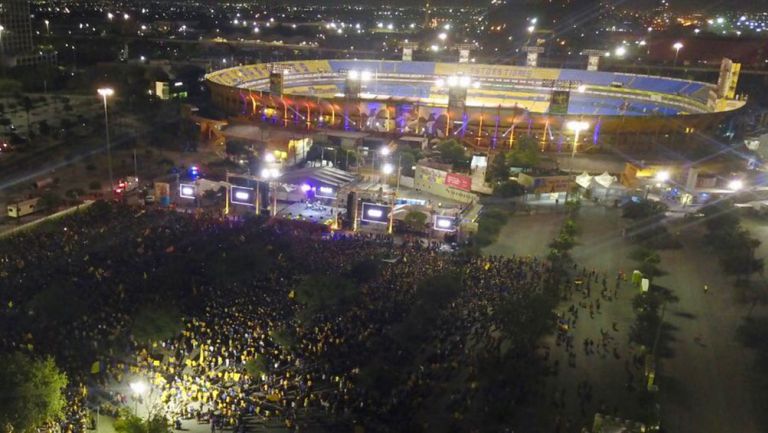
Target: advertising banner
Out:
[723,81]
[463,56]
[457,98]
[276,84]
[593,62]
[733,80]
[559,102]
[459,181]
[532,59]
[407,54]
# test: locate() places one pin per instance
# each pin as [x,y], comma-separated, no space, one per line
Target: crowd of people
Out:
[244,354]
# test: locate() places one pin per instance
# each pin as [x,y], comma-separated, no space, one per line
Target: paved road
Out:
[705,383]
[528,235]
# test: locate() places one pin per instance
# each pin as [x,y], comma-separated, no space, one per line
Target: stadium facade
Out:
[487,106]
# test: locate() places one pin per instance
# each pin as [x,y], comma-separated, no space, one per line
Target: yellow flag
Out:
[95,367]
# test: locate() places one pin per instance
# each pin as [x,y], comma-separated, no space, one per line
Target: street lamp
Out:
[736,185]
[662,176]
[271,175]
[47,27]
[105,92]
[384,151]
[138,388]
[677,46]
[576,126]
[388,169]
[620,51]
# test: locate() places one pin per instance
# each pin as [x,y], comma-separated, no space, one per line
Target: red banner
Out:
[459,181]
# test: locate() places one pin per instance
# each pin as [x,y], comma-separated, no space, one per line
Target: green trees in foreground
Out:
[127,422]
[32,392]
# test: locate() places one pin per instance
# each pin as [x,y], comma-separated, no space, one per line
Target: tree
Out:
[33,392]
[50,200]
[235,147]
[407,161]
[498,169]
[524,320]
[363,271]
[44,128]
[130,423]
[255,367]
[26,103]
[452,152]
[508,188]
[415,219]
[155,323]
[644,209]
[325,293]
[740,259]
[526,153]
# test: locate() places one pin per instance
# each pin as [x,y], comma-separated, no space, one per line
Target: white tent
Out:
[605,180]
[584,180]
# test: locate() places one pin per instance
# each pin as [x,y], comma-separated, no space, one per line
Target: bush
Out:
[490,223]
[153,323]
[74,193]
[644,209]
[256,367]
[416,220]
[509,188]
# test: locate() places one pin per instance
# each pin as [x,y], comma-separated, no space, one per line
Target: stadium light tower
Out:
[106,92]
[677,46]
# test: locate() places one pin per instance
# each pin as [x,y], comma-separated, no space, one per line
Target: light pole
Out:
[2,48]
[138,388]
[677,46]
[105,92]
[388,169]
[48,27]
[576,126]
[271,175]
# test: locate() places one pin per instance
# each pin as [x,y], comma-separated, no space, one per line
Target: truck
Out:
[42,183]
[24,207]
[127,184]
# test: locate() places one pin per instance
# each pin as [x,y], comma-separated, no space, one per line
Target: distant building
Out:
[16,36]
[16,44]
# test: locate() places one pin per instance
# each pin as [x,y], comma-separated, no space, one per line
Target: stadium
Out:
[484,105]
